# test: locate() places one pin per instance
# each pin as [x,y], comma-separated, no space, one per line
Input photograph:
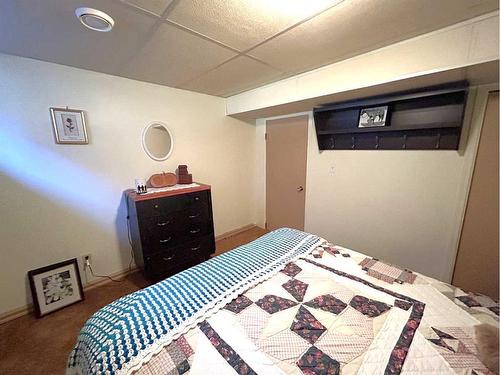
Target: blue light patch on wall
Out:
[52,175]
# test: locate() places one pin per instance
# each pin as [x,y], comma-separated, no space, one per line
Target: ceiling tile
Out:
[155,6]
[173,56]
[138,47]
[242,24]
[235,76]
[49,30]
[357,26]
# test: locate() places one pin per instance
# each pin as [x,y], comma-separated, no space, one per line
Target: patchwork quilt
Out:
[288,303]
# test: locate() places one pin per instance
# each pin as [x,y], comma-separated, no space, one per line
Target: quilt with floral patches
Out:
[323,313]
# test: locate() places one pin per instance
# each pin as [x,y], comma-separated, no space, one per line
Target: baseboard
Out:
[102,281]
[25,310]
[16,313]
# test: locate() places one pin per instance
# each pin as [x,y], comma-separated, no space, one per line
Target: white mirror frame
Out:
[144,146]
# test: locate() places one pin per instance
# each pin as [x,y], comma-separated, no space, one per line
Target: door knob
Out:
[299,189]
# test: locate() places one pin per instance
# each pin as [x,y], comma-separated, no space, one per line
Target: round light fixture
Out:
[95,19]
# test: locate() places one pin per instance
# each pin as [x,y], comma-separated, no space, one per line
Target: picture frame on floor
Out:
[69,126]
[55,287]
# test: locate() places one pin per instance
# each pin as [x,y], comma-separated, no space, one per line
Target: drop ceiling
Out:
[220,47]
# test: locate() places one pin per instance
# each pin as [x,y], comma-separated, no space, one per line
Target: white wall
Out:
[62,201]
[405,207]
[464,44]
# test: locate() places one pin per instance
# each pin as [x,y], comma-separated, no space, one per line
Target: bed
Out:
[287,303]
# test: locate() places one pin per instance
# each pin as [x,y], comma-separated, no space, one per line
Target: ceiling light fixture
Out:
[95,19]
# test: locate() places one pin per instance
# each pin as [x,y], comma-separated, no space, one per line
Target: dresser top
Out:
[169,193]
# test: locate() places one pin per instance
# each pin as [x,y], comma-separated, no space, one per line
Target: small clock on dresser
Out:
[171,230]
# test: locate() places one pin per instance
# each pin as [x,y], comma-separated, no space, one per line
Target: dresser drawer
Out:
[157,224]
[159,233]
[201,248]
[157,207]
[193,200]
[194,215]
[166,261]
[161,242]
[195,230]
[174,221]
[162,206]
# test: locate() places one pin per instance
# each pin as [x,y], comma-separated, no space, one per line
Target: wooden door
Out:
[286,159]
[476,267]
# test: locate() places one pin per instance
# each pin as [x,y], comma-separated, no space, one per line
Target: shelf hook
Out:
[438,141]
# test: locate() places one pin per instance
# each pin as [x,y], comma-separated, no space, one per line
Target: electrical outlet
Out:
[85,258]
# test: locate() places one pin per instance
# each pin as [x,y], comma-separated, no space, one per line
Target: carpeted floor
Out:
[41,346]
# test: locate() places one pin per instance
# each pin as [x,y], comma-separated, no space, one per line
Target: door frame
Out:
[261,125]
[471,135]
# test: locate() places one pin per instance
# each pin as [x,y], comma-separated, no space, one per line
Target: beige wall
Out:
[402,206]
[63,201]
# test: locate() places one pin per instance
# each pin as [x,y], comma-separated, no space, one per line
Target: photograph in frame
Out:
[69,126]
[55,287]
[373,117]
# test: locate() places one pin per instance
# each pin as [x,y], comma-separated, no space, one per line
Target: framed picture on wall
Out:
[373,117]
[69,126]
[55,286]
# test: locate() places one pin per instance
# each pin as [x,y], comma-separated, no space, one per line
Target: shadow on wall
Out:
[54,210]
[122,234]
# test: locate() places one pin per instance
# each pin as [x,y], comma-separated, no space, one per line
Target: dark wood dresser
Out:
[172,230]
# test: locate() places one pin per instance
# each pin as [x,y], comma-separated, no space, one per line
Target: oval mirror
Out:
[157,141]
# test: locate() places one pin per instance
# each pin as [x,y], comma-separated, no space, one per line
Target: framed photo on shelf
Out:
[69,126]
[373,117]
[56,286]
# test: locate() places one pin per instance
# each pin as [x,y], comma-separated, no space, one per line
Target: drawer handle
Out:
[194,231]
[166,240]
[163,224]
[156,206]
[196,248]
[194,216]
[169,258]
[196,198]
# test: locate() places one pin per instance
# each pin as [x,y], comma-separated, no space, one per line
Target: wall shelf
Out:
[425,119]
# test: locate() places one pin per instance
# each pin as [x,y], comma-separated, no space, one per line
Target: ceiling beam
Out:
[457,48]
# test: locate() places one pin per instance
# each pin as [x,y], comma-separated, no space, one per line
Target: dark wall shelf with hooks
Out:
[425,119]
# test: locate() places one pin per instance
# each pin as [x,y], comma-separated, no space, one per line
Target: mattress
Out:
[287,303]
